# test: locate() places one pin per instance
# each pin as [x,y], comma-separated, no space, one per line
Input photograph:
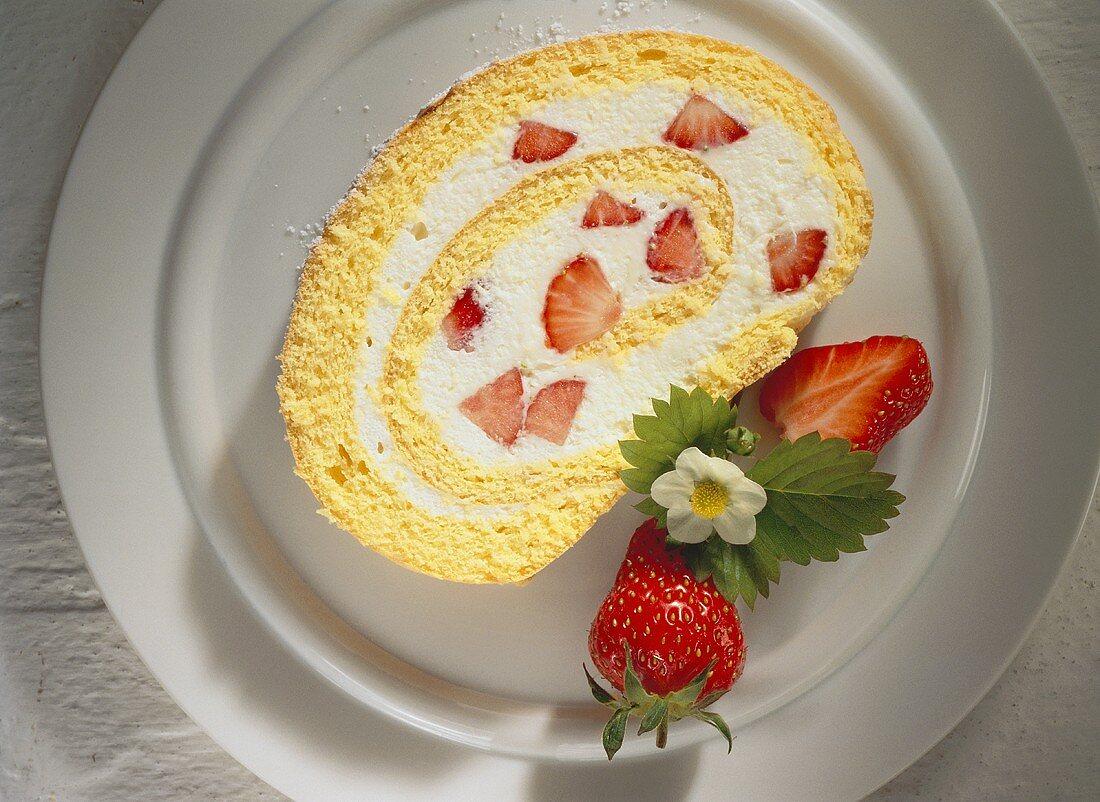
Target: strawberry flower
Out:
[707,494]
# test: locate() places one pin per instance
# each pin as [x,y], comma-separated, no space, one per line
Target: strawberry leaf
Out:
[615,731]
[743,571]
[689,694]
[638,480]
[648,506]
[716,721]
[823,500]
[653,717]
[598,692]
[632,686]
[710,699]
[685,420]
[650,458]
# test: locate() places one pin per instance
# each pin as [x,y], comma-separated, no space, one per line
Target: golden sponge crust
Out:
[327,328]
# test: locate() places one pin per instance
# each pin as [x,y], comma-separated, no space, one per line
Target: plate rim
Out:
[53,309]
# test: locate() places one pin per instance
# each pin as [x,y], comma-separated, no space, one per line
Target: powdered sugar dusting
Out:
[307,235]
[505,38]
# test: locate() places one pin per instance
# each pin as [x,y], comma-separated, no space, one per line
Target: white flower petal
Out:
[694,464]
[746,496]
[672,489]
[735,527]
[687,527]
[725,472]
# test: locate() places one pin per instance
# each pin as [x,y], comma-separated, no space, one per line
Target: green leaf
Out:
[778,539]
[653,717]
[598,693]
[677,404]
[726,566]
[716,721]
[632,686]
[739,570]
[697,562]
[685,420]
[653,429]
[688,695]
[823,500]
[647,456]
[647,506]
[637,480]
[710,699]
[615,731]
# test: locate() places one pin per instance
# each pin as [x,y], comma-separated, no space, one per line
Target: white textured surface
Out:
[80,717]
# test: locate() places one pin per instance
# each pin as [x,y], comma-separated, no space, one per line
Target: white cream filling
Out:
[771,179]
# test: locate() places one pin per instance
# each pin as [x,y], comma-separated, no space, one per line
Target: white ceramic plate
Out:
[330,672]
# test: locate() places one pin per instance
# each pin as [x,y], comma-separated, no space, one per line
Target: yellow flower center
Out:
[708,500]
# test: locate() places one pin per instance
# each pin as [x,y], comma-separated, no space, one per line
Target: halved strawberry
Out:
[538,142]
[580,305]
[497,408]
[605,210]
[794,257]
[865,392]
[674,254]
[459,324]
[701,124]
[551,414]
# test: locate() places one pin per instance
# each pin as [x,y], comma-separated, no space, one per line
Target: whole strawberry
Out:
[670,644]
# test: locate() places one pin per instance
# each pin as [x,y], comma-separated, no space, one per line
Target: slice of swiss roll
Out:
[557,240]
